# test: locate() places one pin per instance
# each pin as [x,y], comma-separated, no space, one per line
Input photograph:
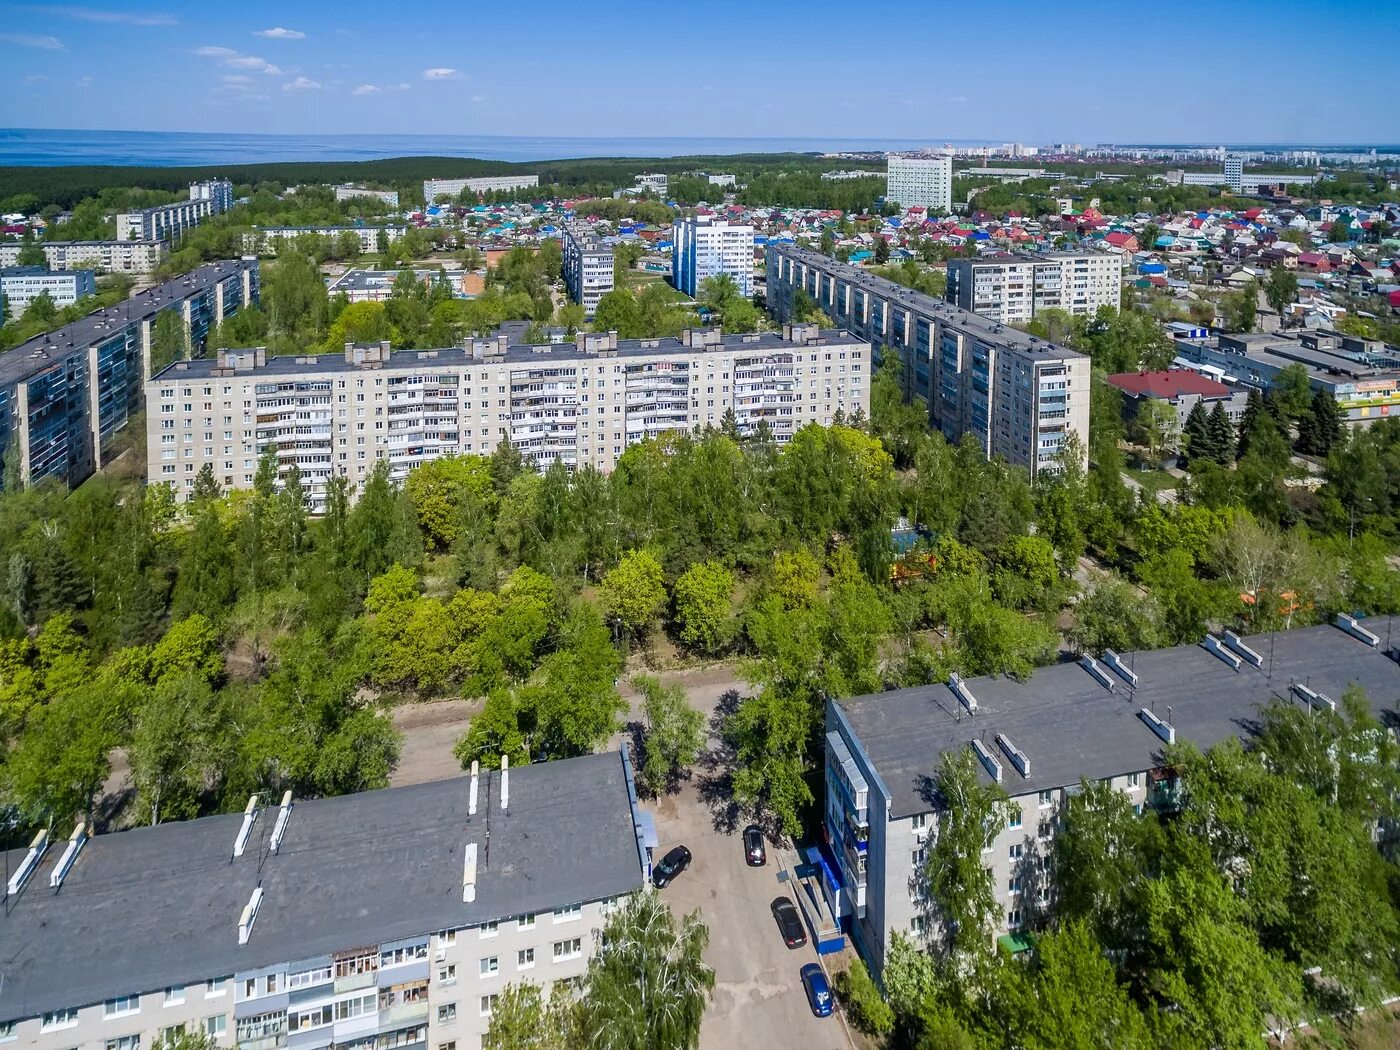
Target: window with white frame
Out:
[307,978]
[444,938]
[1014,852]
[488,1003]
[1045,798]
[175,995]
[402,956]
[1134,780]
[56,1019]
[525,958]
[215,986]
[121,1006]
[447,1013]
[1014,820]
[447,974]
[490,966]
[123,1042]
[7,1031]
[569,949]
[568,912]
[490,929]
[1013,918]
[525,922]
[216,1025]
[920,821]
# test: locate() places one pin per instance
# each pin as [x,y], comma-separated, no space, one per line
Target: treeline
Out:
[1254,893]
[807,189]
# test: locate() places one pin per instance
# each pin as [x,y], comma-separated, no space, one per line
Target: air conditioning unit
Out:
[440,955]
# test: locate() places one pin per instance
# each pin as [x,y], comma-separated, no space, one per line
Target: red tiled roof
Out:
[1169,384]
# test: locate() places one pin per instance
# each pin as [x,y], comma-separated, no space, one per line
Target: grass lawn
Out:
[1152,480]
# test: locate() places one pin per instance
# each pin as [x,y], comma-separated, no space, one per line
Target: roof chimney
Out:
[76,841]
[471,796]
[505,783]
[250,814]
[249,916]
[37,848]
[283,815]
[469,874]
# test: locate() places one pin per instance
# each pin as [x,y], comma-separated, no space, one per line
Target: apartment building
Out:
[268,240]
[453,188]
[577,403]
[349,192]
[1012,289]
[21,285]
[1233,170]
[1104,719]
[384,920]
[706,247]
[923,182]
[64,395]
[168,222]
[134,257]
[587,265]
[1017,396]
[655,182]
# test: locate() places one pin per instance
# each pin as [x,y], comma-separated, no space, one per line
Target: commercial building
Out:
[167,222]
[577,403]
[1334,362]
[65,395]
[706,247]
[267,240]
[134,257]
[587,265]
[374,286]
[1183,390]
[349,192]
[388,919]
[654,182]
[21,285]
[453,188]
[920,182]
[1233,176]
[1017,396]
[1105,719]
[1012,289]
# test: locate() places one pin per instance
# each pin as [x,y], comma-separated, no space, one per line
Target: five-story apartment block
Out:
[1105,719]
[135,257]
[1013,289]
[384,920]
[579,403]
[1017,396]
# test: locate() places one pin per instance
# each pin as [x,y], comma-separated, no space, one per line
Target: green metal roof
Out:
[1016,943]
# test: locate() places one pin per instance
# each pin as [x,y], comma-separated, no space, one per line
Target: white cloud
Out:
[441,73]
[93,14]
[398,87]
[279,33]
[956,100]
[227,56]
[215,52]
[42,43]
[302,84]
[478,98]
[368,89]
[34,78]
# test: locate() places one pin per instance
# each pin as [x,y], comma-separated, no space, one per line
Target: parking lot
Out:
[758,997]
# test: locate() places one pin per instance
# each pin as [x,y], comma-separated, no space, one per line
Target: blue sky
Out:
[1084,71]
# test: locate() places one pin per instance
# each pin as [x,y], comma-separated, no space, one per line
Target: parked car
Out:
[818,990]
[789,922]
[755,855]
[675,862]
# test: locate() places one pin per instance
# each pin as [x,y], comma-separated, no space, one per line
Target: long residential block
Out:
[453,188]
[64,395]
[167,222]
[581,403]
[21,285]
[1013,289]
[383,920]
[134,257]
[267,240]
[1107,718]
[1017,396]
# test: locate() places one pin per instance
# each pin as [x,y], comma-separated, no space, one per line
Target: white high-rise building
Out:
[1234,173]
[707,247]
[920,182]
[588,265]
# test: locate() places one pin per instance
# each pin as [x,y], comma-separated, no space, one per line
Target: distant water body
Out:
[50,148]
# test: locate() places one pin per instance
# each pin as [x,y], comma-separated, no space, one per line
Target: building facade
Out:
[579,403]
[268,240]
[453,188]
[21,285]
[374,286]
[587,265]
[385,920]
[705,247]
[1012,289]
[1104,719]
[1233,171]
[923,182]
[1017,396]
[168,222]
[66,394]
[134,257]
[1182,389]
[349,193]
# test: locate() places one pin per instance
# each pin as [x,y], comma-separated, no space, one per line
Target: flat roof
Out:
[39,353]
[93,244]
[516,354]
[158,906]
[1071,727]
[918,302]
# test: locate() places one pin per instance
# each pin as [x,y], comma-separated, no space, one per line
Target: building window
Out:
[317,1017]
[1014,821]
[1045,798]
[216,1026]
[490,966]
[1013,918]
[565,914]
[58,1019]
[488,1003]
[175,995]
[400,956]
[1134,779]
[525,922]
[447,1013]
[447,974]
[121,1006]
[570,949]
[7,1031]
[364,962]
[123,1042]
[215,986]
[307,978]
[348,1009]
[525,958]
[489,929]
[1043,830]
[920,821]
[1013,885]
[1014,853]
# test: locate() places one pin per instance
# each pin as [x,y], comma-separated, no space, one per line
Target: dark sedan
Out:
[755,854]
[675,862]
[789,922]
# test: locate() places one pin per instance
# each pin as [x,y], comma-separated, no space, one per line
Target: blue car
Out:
[818,990]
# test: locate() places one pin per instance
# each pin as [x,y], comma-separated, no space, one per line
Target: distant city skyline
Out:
[1030,72]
